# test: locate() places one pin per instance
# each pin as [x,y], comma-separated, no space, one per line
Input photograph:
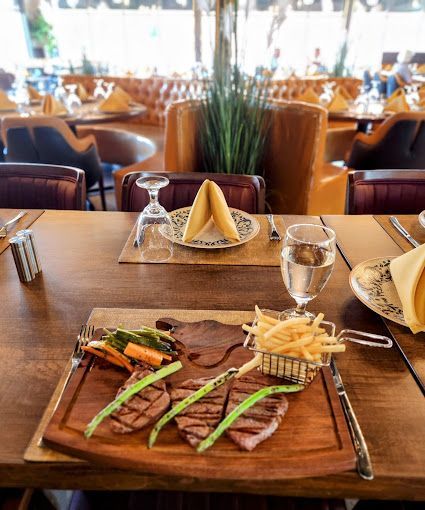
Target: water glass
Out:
[73,102]
[307,260]
[154,235]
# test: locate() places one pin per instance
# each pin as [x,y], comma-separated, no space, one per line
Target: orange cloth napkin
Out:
[343,92]
[5,102]
[309,96]
[408,273]
[397,105]
[397,93]
[33,94]
[210,202]
[123,94]
[51,106]
[338,103]
[114,103]
[82,92]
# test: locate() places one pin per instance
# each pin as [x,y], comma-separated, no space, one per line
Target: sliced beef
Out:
[197,421]
[259,421]
[143,408]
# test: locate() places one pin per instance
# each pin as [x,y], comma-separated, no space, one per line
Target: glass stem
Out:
[153,200]
[301,306]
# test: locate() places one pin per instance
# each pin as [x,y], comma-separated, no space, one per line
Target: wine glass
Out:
[154,235]
[99,92]
[73,102]
[60,91]
[327,94]
[307,260]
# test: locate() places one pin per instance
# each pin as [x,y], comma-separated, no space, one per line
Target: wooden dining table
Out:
[79,255]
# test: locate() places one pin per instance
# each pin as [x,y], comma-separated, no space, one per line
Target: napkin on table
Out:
[33,93]
[52,106]
[309,96]
[114,103]
[82,92]
[397,93]
[338,103]
[123,94]
[5,102]
[343,92]
[210,201]
[408,273]
[399,104]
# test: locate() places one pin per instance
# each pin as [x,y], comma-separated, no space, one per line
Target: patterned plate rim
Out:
[202,247]
[372,307]
[421,219]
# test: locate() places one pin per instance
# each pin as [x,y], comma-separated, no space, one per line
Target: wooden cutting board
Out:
[312,440]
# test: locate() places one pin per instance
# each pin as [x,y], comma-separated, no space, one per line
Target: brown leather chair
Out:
[49,140]
[297,178]
[244,192]
[399,142]
[386,191]
[30,186]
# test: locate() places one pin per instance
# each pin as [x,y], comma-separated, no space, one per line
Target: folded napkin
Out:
[114,103]
[397,93]
[208,202]
[408,273]
[399,104]
[33,93]
[52,106]
[421,92]
[82,92]
[338,103]
[309,96]
[5,102]
[343,92]
[123,94]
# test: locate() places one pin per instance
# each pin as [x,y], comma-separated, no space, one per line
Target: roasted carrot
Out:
[119,356]
[103,355]
[143,353]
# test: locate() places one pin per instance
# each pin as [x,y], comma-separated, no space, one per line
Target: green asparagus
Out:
[210,386]
[129,392]
[241,408]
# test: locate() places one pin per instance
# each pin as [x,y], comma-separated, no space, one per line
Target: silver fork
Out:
[3,229]
[274,234]
[83,338]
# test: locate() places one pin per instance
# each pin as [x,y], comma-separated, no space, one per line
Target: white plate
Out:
[421,218]
[372,283]
[211,238]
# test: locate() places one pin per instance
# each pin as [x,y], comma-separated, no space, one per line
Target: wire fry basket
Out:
[303,371]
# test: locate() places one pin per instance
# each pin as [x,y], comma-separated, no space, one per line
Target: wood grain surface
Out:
[79,252]
[410,223]
[25,222]
[313,438]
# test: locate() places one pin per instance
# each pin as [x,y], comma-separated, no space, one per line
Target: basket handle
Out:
[360,337]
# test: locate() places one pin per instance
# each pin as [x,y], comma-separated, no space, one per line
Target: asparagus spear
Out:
[129,392]
[241,408]
[210,386]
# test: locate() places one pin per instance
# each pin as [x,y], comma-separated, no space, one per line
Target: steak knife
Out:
[397,225]
[364,464]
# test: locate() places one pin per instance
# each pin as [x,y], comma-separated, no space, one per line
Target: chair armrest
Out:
[338,143]
[82,144]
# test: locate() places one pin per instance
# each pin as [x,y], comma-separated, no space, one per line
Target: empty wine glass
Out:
[60,91]
[327,94]
[307,260]
[99,92]
[73,102]
[154,235]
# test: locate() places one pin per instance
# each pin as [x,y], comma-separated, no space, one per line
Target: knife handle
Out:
[364,464]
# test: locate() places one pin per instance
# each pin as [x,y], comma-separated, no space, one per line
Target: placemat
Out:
[410,223]
[260,251]
[130,318]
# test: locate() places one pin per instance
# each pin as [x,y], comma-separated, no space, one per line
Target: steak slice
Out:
[259,421]
[143,408]
[197,421]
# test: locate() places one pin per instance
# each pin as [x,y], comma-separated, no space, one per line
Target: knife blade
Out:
[397,225]
[3,229]
[364,464]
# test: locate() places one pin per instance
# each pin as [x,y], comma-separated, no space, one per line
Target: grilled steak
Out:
[259,421]
[197,421]
[143,408]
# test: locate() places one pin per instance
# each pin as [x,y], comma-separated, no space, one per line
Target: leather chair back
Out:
[244,192]
[398,143]
[30,186]
[386,191]
[48,140]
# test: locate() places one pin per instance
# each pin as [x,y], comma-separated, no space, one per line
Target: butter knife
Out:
[3,229]
[397,225]
[364,464]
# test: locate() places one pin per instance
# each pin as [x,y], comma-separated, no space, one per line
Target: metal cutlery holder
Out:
[303,371]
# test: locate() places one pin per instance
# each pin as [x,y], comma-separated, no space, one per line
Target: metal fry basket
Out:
[303,371]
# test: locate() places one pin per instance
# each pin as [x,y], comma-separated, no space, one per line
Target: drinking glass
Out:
[99,92]
[60,91]
[154,235]
[73,102]
[307,260]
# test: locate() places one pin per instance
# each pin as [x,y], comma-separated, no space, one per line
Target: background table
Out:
[79,254]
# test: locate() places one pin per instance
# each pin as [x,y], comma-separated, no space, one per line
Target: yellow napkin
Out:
[51,106]
[343,92]
[33,94]
[123,94]
[399,104]
[338,103]
[408,273]
[421,92]
[5,102]
[309,96]
[210,201]
[397,93]
[82,92]
[114,103]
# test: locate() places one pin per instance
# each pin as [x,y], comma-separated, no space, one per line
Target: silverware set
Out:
[4,228]
[399,227]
